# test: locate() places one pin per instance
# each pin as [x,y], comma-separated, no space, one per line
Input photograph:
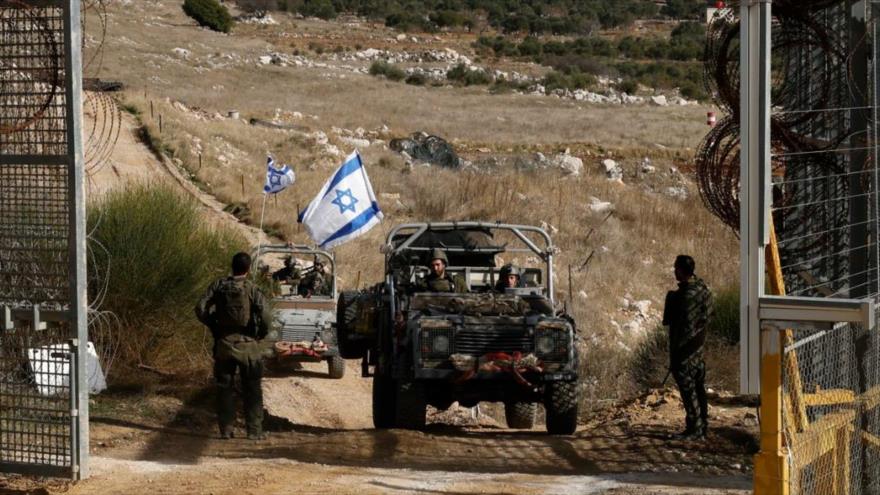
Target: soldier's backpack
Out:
[233,304]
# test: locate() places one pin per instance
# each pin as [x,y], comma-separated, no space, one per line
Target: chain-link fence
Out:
[42,424]
[824,207]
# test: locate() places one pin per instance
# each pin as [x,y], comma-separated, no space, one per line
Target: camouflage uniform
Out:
[446,283]
[687,313]
[237,347]
[312,284]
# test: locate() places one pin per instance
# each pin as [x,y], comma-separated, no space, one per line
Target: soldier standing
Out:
[687,312]
[236,312]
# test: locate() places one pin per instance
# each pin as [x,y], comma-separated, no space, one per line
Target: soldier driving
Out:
[510,276]
[687,312]
[235,311]
[439,280]
[290,274]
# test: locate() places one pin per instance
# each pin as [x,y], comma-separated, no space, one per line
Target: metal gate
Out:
[43,330]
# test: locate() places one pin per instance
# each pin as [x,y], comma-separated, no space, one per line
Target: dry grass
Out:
[633,250]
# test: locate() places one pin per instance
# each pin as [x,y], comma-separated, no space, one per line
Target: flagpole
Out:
[260,234]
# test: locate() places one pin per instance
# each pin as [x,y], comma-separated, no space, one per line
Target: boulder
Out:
[427,148]
[613,171]
[660,101]
[569,164]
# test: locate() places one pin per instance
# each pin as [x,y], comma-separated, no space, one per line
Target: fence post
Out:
[771,463]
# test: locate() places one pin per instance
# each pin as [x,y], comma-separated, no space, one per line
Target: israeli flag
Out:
[277,179]
[345,208]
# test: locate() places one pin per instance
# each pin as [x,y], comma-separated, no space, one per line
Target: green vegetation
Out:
[209,13]
[538,17]
[467,76]
[654,61]
[390,71]
[152,257]
[650,359]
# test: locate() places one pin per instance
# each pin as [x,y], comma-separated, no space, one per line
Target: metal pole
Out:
[755,181]
[77,239]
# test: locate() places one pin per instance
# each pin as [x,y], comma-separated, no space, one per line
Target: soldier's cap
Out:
[439,254]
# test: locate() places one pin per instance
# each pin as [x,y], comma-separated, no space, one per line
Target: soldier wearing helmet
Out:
[510,276]
[314,282]
[439,280]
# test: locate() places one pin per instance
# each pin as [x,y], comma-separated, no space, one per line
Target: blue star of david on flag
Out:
[345,201]
[345,208]
[277,179]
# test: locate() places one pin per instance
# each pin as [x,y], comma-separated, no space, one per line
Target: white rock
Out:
[647,167]
[401,37]
[613,171]
[660,101]
[582,295]
[599,206]
[641,307]
[571,165]
[680,193]
[265,59]
[633,327]
[182,53]
[356,142]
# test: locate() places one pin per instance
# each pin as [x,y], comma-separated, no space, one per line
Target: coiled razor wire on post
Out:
[824,140]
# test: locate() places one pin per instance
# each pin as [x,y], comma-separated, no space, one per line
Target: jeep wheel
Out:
[411,405]
[383,402]
[346,317]
[336,365]
[520,415]
[561,403]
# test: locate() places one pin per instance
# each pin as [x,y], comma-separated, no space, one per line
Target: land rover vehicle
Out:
[480,344]
[305,320]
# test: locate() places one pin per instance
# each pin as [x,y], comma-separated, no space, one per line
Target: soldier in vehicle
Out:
[510,276]
[439,280]
[235,311]
[290,274]
[314,283]
[687,312]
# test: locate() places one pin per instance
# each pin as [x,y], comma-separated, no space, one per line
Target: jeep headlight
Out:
[545,344]
[440,344]
[552,341]
[436,338]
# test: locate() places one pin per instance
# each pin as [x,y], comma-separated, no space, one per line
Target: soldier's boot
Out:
[253,407]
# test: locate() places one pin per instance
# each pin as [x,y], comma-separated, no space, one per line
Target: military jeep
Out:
[482,343]
[305,319]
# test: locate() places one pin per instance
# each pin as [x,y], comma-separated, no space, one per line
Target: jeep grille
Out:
[479,341]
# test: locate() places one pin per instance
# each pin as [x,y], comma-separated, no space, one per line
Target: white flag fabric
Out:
[345,208]
[277,179]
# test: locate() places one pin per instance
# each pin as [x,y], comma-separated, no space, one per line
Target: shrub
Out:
[724,325]
[416,79]
[628,86]
[467,76]
[322,9]
[152,257]
[390,71]
[574,79]
[209,13]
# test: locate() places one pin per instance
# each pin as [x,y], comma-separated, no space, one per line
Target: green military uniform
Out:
[288,275]
[446,283]
[313,283]
[237,313]
[687,313]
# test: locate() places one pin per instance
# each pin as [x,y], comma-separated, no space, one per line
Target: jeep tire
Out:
[561,404]
[410,405]
[383,402]
[336,366]
[520,415]
[346,318]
